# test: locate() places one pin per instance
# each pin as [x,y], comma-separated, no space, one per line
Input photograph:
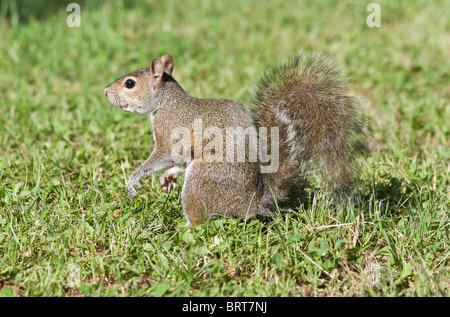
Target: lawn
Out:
[67,227]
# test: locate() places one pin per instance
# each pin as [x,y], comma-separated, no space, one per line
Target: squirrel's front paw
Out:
[132,183]
[169,178]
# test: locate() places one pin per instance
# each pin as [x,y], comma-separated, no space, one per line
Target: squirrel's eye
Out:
[130,83]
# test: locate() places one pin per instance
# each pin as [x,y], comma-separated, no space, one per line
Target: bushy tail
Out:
[320,126]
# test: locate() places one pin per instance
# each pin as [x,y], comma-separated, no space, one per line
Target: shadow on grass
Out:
[388,197]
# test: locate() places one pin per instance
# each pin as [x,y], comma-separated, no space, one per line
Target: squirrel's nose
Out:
[106,91]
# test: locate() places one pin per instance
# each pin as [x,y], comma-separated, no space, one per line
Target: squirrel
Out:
[315,126]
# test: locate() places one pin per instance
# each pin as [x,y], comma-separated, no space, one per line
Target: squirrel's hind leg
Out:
[210,189]
[193,211]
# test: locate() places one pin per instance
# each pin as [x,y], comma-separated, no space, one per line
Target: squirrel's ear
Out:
[156,71]
[167,61]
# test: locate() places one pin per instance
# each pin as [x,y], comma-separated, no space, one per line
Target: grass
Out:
[65,152]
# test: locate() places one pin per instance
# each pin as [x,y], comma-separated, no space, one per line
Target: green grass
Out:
[65,151]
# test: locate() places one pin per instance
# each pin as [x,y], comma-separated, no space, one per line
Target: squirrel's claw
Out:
[131,188]
[169,180]
[138,186]
[132,194]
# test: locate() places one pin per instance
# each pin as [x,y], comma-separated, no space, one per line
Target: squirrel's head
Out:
[134,92]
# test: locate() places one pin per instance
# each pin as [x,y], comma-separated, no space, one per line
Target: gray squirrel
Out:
[304,107]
